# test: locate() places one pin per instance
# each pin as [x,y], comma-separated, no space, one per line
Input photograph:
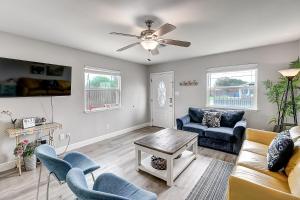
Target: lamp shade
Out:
[149,44]
[289,72]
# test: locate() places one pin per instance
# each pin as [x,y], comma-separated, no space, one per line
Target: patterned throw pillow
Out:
[212,119]
[280,151]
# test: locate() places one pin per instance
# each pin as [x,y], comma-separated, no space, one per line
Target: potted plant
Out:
[26,149]
[275,90]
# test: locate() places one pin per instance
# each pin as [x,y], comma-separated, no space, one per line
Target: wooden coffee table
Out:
[167,144]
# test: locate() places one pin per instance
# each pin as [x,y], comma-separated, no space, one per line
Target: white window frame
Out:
[102,71]
[232,69]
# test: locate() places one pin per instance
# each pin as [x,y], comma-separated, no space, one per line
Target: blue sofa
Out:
[228,137]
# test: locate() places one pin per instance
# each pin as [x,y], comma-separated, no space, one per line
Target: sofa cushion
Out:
[30,83]
[294,160]
[230,118]
[294,180]
[195,127]
[63,85]
[295,133]
[259,163]
[216,144]
[255,147]
[196,115]
[279,152]
[212,119]
[246,175]
[221,133]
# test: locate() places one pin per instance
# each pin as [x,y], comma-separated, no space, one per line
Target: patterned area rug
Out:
[213,183]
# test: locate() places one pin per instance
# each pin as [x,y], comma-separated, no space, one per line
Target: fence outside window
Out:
[102,89]
[236,89]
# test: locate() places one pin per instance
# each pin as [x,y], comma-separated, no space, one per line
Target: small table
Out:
[167,144]
[18,132]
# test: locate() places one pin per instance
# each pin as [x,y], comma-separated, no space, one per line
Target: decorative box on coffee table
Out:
[167,144]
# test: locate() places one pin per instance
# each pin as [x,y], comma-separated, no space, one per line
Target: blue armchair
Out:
[106,187]
[60,167]
[228,137]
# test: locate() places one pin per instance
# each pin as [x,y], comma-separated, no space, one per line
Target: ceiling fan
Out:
[151,39]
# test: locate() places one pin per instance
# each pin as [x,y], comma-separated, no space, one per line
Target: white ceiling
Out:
[213,26]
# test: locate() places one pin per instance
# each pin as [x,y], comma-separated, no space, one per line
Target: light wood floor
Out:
[115,155]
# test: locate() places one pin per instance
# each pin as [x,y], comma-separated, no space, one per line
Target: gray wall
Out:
[69,110]
[269,59]
[299,48]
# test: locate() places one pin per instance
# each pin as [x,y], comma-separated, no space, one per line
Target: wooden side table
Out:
[18,132]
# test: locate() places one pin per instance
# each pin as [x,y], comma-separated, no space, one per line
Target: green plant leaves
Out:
[275,91]
[295,64]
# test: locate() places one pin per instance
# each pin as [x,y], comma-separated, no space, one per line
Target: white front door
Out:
[162,99]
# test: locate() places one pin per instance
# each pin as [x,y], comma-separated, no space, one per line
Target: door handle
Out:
[171,100]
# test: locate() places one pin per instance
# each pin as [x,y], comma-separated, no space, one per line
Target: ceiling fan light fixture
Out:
[149,44]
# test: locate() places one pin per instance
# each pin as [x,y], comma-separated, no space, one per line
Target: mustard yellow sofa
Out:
[251,179]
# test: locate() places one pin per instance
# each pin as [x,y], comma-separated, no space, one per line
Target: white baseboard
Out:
[12,164]
[100,138]
[7,165]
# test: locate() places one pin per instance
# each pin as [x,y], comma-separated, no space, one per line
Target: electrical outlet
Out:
[107,126]
[61,136]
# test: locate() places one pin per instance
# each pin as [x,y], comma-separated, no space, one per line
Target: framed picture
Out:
[28,122]
[36,69]
[55,70]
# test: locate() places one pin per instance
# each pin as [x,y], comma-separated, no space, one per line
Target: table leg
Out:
[18,161]
[50,134]
[170,171]
[19,166]
[195,148]
[17,140]
[138,158]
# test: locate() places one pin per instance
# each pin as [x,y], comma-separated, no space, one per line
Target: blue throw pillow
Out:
[196,115]
[280,151]
[230,118]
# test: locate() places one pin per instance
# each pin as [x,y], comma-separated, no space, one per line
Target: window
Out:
[234,88]
[102,89]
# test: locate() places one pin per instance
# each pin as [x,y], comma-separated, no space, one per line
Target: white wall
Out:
[269,59]
[299,48]
[69,110]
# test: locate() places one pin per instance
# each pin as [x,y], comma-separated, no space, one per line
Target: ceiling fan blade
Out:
[154,52]
[175,42]
[164,29]
[124,34]
[128,46]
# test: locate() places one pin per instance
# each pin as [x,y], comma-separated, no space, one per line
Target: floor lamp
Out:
[289,74]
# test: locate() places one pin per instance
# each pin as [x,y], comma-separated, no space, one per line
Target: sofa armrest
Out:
[239,128]
[182,121]
[239,133]
[242,189]
[260,136]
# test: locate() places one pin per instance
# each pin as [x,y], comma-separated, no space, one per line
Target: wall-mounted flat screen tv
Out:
[19,78]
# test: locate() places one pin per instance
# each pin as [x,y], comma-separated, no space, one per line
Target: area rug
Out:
[213,183]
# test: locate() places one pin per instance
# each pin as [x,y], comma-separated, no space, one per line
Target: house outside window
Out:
[102,89]
[232,87]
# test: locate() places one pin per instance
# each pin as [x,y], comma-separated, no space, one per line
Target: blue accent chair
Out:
[60,167]
[106,187]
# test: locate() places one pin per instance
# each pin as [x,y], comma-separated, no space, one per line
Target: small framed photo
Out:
[36,69]
[54,70]
[28,122]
